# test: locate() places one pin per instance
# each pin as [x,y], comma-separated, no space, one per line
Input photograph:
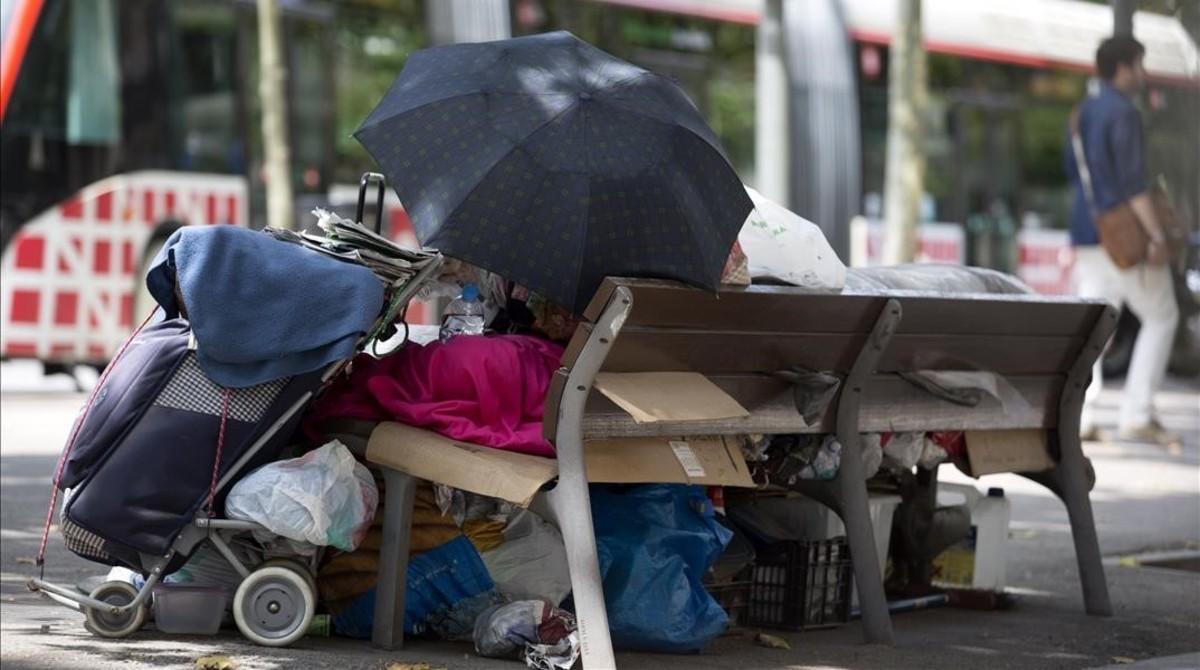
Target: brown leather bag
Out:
[1122,236]
[1121,233]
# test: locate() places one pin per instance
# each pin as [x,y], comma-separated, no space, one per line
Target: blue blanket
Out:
[261,308]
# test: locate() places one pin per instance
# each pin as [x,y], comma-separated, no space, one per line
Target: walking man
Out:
[1110,133]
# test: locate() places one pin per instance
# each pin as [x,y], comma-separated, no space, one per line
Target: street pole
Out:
[1123,16]
[454,21]
[771,141]
[905,169]
[277,155]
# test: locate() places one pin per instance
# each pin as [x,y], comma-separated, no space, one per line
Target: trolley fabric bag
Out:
[146,457]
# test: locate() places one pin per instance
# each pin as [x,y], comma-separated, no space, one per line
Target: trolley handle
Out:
[363,184]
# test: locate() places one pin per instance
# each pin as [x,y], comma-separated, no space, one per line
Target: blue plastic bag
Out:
[447,588]
[655,543]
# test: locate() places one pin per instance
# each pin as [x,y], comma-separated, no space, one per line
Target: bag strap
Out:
[66,452]
[1081,165]
[216,471]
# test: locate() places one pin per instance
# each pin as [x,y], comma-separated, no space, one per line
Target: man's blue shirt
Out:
[1111,130]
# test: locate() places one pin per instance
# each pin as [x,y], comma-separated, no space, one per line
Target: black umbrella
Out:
[554,164]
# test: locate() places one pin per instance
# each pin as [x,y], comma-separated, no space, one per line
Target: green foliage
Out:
[374,39]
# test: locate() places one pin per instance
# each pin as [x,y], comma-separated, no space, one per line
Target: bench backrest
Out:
[739,337]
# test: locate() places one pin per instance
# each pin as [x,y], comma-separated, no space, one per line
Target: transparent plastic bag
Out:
[323,498]
[532,562]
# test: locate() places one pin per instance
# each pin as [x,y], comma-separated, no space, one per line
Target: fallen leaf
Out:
[1123,660]
[215,663]
[771,641]
[25,560]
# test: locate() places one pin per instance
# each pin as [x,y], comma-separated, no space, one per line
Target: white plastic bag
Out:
[324,498]
[532,562]
[783,246]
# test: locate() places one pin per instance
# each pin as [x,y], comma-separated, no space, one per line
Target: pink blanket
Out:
[485,390]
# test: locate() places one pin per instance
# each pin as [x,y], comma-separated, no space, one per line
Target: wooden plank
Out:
[789,309]
[889,405]
[640,349]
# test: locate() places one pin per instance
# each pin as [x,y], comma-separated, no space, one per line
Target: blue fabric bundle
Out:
[260,308]
[446,590]
[655,542]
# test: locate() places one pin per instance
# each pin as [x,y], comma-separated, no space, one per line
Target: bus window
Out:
[94,89]
[208,138]
[62,125]
[309,108]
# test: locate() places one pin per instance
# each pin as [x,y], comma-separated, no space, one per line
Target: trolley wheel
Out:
[107,624]
[294,565]
[274,605]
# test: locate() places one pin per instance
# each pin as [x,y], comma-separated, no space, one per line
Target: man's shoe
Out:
[1151,432]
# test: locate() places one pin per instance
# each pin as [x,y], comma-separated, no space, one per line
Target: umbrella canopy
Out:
[554,164]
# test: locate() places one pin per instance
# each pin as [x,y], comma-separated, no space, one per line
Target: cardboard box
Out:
[518,477]
[650,397]
[994,451]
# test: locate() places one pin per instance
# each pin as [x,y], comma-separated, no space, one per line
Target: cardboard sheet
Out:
[712,461]
[518,477]
[491,472]
[993,451]
[650,397]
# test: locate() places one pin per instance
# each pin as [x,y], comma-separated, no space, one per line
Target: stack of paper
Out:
[355,243]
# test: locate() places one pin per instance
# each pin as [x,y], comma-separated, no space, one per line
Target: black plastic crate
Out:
[801,585]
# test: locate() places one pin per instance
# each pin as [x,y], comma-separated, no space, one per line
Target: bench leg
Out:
[856,515]
[571,509]
[569,502]
[852,485]
[399,490]
[1073,490]
[1071,479]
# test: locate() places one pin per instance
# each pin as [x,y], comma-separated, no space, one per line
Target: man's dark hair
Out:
[1115,51]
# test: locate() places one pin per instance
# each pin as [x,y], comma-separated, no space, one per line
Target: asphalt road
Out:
[1145,499]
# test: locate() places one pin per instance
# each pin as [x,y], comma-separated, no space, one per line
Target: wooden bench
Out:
[1043,347]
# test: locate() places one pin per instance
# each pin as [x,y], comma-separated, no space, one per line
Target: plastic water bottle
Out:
[464,315]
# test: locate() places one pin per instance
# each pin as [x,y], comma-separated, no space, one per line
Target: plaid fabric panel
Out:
[83,542]
[192,391]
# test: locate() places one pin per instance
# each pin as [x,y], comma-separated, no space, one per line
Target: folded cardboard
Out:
[993,451]
[650,397]
[518,477]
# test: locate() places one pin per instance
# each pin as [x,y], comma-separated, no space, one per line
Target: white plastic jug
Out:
[980,560]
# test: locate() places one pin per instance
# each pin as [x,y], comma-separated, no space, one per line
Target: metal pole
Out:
[1123,16]
[771,138]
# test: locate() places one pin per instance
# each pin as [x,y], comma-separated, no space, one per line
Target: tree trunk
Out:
[905,171]
[276,153]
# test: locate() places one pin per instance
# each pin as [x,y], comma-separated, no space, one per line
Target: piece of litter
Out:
[771,641]
[23,560]
[1123,660]
[215,663]
[45,628]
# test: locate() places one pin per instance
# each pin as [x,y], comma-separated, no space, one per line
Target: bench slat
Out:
[778,308]
[889,405]
[641,349]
